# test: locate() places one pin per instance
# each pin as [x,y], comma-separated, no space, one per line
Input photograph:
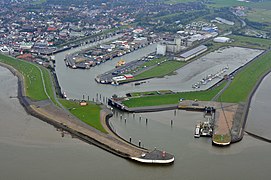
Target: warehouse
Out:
[192,53]
[221,39]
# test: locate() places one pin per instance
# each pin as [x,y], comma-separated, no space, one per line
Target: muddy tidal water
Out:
[32,149]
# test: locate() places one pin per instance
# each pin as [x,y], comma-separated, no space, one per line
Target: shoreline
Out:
[24,101]
[57,117]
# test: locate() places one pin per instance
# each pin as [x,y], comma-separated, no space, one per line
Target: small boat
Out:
[197,131]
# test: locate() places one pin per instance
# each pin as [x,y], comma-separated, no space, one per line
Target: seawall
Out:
[59,118]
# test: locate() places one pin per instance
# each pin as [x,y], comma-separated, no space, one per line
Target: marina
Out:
[123,72]
[33,144]
[135,90]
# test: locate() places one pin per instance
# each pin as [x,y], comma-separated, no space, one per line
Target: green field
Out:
[38,2]
[152,62]
[259,15]
[250,42]
[89,114]
[32,77]
[179,1]
[213,3]
[243,41]
[245,80]
[172,98]
[150,93]
[229,3]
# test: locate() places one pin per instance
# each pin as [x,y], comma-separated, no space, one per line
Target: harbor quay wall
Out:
[152,108]
[107,118]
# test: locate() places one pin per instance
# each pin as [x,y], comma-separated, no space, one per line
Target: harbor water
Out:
[32,149]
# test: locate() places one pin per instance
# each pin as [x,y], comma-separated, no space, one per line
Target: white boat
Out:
[197,131]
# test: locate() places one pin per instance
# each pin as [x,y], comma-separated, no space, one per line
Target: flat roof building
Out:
[192,53]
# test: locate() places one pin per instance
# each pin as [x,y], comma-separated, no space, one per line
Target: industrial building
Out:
[192,53]
[224,21]
[221,39]
[175,46]
[183,40]
[161,49]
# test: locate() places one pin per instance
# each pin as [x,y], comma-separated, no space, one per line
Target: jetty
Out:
[109,142]
[62,119]
[222,121]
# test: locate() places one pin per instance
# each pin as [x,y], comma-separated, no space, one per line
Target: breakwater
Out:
[48,112]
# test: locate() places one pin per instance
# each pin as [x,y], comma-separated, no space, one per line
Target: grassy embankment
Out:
[32,77]
[34,90]
[89,114]
[245,80]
